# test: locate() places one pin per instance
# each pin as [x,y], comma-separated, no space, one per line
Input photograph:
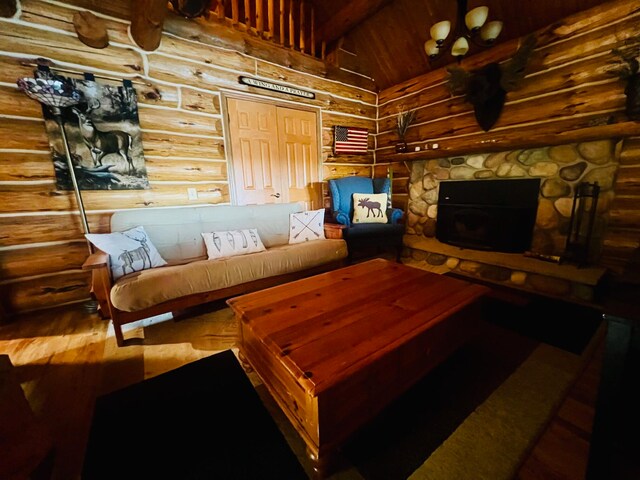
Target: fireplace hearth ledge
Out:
[508,269]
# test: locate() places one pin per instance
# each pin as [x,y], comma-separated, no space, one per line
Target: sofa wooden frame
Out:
[101,283]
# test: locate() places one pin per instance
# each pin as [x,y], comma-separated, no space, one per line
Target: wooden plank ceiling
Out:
[387,36]
[390,42]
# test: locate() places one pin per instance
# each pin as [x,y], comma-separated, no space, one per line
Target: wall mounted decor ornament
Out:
[103,137]
[486,89]
[629,52]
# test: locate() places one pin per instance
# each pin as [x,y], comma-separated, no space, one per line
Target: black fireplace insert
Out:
[496,215]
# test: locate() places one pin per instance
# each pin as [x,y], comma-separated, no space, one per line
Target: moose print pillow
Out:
[232,242]
[129,251]
[369,208]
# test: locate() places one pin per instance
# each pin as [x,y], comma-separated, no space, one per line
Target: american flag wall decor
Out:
[350,140]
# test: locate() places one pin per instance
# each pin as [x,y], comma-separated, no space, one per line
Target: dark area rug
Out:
[409,430]
[203,420]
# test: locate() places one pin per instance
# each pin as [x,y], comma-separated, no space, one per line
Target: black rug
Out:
[405,434]
[203,420]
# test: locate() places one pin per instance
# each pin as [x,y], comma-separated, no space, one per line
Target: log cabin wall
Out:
[572,93]
[178,87]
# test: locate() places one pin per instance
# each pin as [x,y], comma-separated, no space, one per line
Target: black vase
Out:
[401,147]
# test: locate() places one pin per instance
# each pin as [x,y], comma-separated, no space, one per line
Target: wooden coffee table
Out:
[334,349]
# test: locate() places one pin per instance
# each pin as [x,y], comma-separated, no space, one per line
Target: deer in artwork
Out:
[366,203]
[100,142]
[128,257]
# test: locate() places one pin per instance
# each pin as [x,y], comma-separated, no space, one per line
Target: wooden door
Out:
[298,146]
[274,154]
[254,146]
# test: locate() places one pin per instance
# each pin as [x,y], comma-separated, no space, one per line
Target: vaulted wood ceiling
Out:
[383,39]
[389,43]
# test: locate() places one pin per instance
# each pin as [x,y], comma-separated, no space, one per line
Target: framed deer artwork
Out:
[104,139]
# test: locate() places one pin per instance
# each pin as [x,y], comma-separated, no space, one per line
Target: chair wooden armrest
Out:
[98,259]
[101,283]
[333,230]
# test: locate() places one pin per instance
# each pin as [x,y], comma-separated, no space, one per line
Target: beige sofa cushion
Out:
[177,232]
[147,288]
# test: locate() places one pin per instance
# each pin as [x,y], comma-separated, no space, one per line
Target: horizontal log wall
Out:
[571,93]
[178,86]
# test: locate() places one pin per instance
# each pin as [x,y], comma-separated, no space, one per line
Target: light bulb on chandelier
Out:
[470,26]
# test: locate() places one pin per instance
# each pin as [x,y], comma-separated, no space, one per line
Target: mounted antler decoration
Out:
[629,52]
[487,88]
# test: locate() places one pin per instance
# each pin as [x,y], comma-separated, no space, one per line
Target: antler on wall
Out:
[487,88]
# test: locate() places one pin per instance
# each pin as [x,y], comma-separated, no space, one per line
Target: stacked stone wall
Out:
[561,169]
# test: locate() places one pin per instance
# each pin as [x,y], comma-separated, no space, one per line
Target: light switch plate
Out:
[192,193]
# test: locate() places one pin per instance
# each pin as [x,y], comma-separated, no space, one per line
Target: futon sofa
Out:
[190,278]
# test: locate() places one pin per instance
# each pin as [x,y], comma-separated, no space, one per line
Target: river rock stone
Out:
[533,156]
[457,161]
[417,170]
[436,259]
[554,187]
[452,263]
[495,273]
[598,152]
[418,228]
[442,173]
[510,170]
[465,173]
[432,211]
[495,159]
[432,166]
[573,172]
[469,266]
[564,206]
[429,228]
[430,196]
[475,161]
[415,190]
[483,174]
[419,255]
[412,219]
[418,207]
[605,176]
[444,163]
[547,217]
[429,181]
[518,278]
[563,153]
[543,169]
[513,156]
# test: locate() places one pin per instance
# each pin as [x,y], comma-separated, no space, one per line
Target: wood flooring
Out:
[66,357]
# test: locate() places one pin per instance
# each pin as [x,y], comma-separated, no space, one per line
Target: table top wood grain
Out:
[326,327]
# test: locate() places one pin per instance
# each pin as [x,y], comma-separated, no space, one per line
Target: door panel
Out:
[274,153]
[299,142]
[254,146]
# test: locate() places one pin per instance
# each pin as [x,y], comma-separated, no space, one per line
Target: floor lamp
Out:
[57,93]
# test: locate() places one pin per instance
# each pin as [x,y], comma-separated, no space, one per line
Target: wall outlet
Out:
[192,193]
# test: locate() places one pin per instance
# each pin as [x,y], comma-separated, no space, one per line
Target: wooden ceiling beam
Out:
[346,18]
[147,21]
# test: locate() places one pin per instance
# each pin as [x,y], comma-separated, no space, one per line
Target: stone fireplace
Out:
[559,169]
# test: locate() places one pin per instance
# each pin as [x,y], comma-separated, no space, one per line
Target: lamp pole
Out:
[57,113]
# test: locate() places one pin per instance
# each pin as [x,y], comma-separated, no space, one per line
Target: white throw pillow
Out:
[370,208]
[129,251]
[306,226]
[229,243]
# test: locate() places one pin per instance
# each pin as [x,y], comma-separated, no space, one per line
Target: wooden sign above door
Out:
[276,87]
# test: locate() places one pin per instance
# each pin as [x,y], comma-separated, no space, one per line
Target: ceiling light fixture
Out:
[471,25]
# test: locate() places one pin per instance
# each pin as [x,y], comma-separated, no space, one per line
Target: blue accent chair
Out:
[365,236]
